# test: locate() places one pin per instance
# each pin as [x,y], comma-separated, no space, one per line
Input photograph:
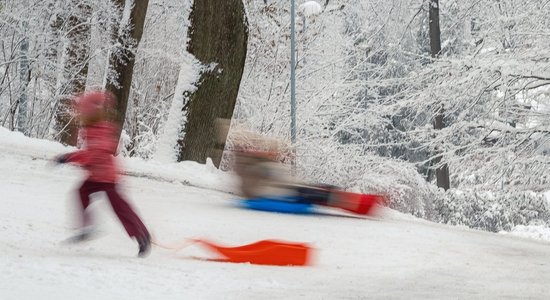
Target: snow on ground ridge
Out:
[188,172]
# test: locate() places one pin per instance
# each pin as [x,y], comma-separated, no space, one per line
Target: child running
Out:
[97,158]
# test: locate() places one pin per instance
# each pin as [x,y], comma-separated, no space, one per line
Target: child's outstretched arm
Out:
[81,157]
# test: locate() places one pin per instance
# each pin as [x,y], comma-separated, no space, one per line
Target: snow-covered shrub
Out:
[353,169]
[406,190]
[492,211]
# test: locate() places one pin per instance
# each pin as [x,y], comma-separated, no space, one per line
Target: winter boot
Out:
[144,243]
[85,234]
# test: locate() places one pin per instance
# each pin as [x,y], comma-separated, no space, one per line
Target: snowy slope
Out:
[388,257]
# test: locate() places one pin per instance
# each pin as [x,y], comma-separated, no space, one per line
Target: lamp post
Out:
[292,73]
[309,8]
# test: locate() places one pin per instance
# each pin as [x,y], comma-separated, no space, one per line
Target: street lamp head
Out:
[310,8]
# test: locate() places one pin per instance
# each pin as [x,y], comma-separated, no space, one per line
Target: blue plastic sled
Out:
[288,205]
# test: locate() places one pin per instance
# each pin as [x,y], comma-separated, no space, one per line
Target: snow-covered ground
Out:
[391,256]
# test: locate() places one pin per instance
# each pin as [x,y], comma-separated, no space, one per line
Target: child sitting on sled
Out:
[262,164]
[97,158]
[257,160]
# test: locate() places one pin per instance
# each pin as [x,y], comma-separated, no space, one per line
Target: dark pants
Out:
[319,195]
[129,219]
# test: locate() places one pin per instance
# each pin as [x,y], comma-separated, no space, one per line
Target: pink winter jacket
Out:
[97,155]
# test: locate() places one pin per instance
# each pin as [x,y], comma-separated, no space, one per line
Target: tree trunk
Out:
[24,77]
[441,173]
[435,32]
[218,37]
[76,72]
[122,59]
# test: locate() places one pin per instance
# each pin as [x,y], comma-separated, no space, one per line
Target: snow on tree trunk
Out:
[218,38]
[167,146]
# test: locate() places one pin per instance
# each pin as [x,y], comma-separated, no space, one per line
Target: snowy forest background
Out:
[369,91]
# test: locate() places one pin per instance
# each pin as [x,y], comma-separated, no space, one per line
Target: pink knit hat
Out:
[93,102]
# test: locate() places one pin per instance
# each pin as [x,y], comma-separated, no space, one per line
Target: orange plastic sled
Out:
[266,252]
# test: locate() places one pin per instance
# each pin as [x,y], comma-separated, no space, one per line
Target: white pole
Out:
[292,74]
